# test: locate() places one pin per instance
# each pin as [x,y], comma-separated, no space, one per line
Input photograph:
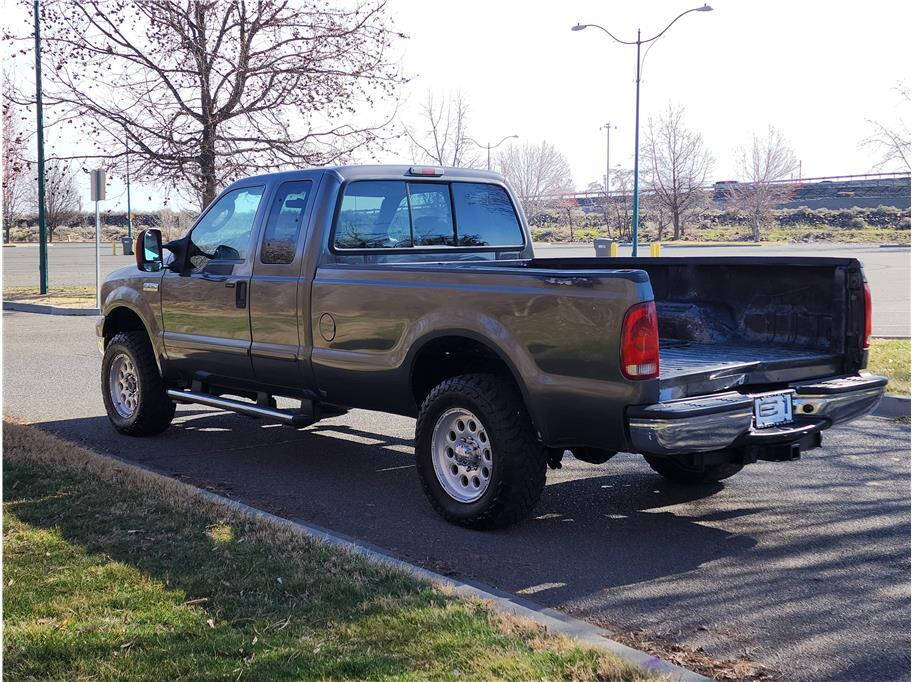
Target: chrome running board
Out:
[241,406]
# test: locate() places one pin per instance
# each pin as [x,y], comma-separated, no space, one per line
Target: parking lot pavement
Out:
[804,566]
[887,270]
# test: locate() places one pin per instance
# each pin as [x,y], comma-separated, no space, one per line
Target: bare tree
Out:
[62,199]
[621,201]
[15,165]
[537,172]
[765,166]
[892,141]
[440,135]
[677,166]
[604,203]
[206,91]
[174,223]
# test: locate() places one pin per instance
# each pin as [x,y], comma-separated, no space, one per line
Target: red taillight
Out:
[867,328]
[640,342]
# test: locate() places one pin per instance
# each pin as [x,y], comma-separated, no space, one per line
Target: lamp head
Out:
[578,27]
[705,8]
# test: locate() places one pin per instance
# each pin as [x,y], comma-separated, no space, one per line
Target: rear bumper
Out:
[725,421]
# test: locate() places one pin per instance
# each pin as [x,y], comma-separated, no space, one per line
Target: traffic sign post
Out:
[97,190]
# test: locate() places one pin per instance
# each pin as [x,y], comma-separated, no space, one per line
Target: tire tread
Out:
[155,409]
[518,449]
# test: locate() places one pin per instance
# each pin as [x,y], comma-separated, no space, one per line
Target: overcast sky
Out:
[817,70]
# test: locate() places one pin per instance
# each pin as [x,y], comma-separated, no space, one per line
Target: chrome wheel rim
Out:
[462,455]
[123,385]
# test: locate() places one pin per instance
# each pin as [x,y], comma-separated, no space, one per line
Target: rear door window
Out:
[373,215]
[485,216]
[284,224]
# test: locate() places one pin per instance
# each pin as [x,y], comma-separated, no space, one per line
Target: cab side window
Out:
[224,232]
[374,214]
[284,223]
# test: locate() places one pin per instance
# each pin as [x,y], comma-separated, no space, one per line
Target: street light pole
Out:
[636,134]
[42,206]
[636,158]
[490,146]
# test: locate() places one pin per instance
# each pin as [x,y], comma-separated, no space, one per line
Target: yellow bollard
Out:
[613,250]
[113,248]
[655,249]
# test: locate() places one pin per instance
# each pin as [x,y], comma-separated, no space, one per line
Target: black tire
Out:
[153,409]
[519,458]
[675,470]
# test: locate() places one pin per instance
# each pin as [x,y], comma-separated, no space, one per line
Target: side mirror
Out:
[149,250]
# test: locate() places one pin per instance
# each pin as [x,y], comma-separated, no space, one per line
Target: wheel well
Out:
[122,320]
[450,356]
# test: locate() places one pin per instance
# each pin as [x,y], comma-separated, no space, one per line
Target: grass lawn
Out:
[67,296]
[114,575]
[890,357]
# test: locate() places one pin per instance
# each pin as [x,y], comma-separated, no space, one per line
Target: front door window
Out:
[223,233]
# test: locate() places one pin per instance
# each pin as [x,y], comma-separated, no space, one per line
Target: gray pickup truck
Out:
[415,291]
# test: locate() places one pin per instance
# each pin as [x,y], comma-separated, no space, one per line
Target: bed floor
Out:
[677,358]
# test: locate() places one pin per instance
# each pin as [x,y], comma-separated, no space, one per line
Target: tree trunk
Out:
[676,221]
[208,184]
[756,228]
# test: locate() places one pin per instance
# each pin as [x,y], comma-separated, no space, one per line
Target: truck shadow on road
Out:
[363,484]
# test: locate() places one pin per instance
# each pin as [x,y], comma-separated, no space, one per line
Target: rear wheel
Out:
[675,470]
[134,393]
[479,458]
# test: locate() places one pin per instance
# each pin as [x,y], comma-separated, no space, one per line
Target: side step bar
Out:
[243,407]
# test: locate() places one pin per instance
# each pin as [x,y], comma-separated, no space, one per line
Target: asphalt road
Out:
[804,566]
[887,269]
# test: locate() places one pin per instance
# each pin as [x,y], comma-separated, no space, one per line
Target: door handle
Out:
[240,295]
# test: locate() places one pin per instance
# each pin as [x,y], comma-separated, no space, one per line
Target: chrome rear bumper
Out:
[726,420]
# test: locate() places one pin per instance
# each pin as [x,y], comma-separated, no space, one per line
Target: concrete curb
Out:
[893,406]
[48,309]
[504,602]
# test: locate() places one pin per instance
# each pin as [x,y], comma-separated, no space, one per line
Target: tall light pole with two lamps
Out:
[490,146]
[636,135]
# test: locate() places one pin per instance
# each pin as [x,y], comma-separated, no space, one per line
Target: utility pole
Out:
[607,129]
[42,212]
[636,158]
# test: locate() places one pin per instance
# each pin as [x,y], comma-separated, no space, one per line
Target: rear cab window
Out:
[395,214]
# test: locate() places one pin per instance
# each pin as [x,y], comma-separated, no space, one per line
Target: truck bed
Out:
[726,322]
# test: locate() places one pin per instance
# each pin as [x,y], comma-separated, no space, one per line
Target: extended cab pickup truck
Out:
[415,291]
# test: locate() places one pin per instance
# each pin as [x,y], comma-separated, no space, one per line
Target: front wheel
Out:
[134,394]
[479,459]
[675,470]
